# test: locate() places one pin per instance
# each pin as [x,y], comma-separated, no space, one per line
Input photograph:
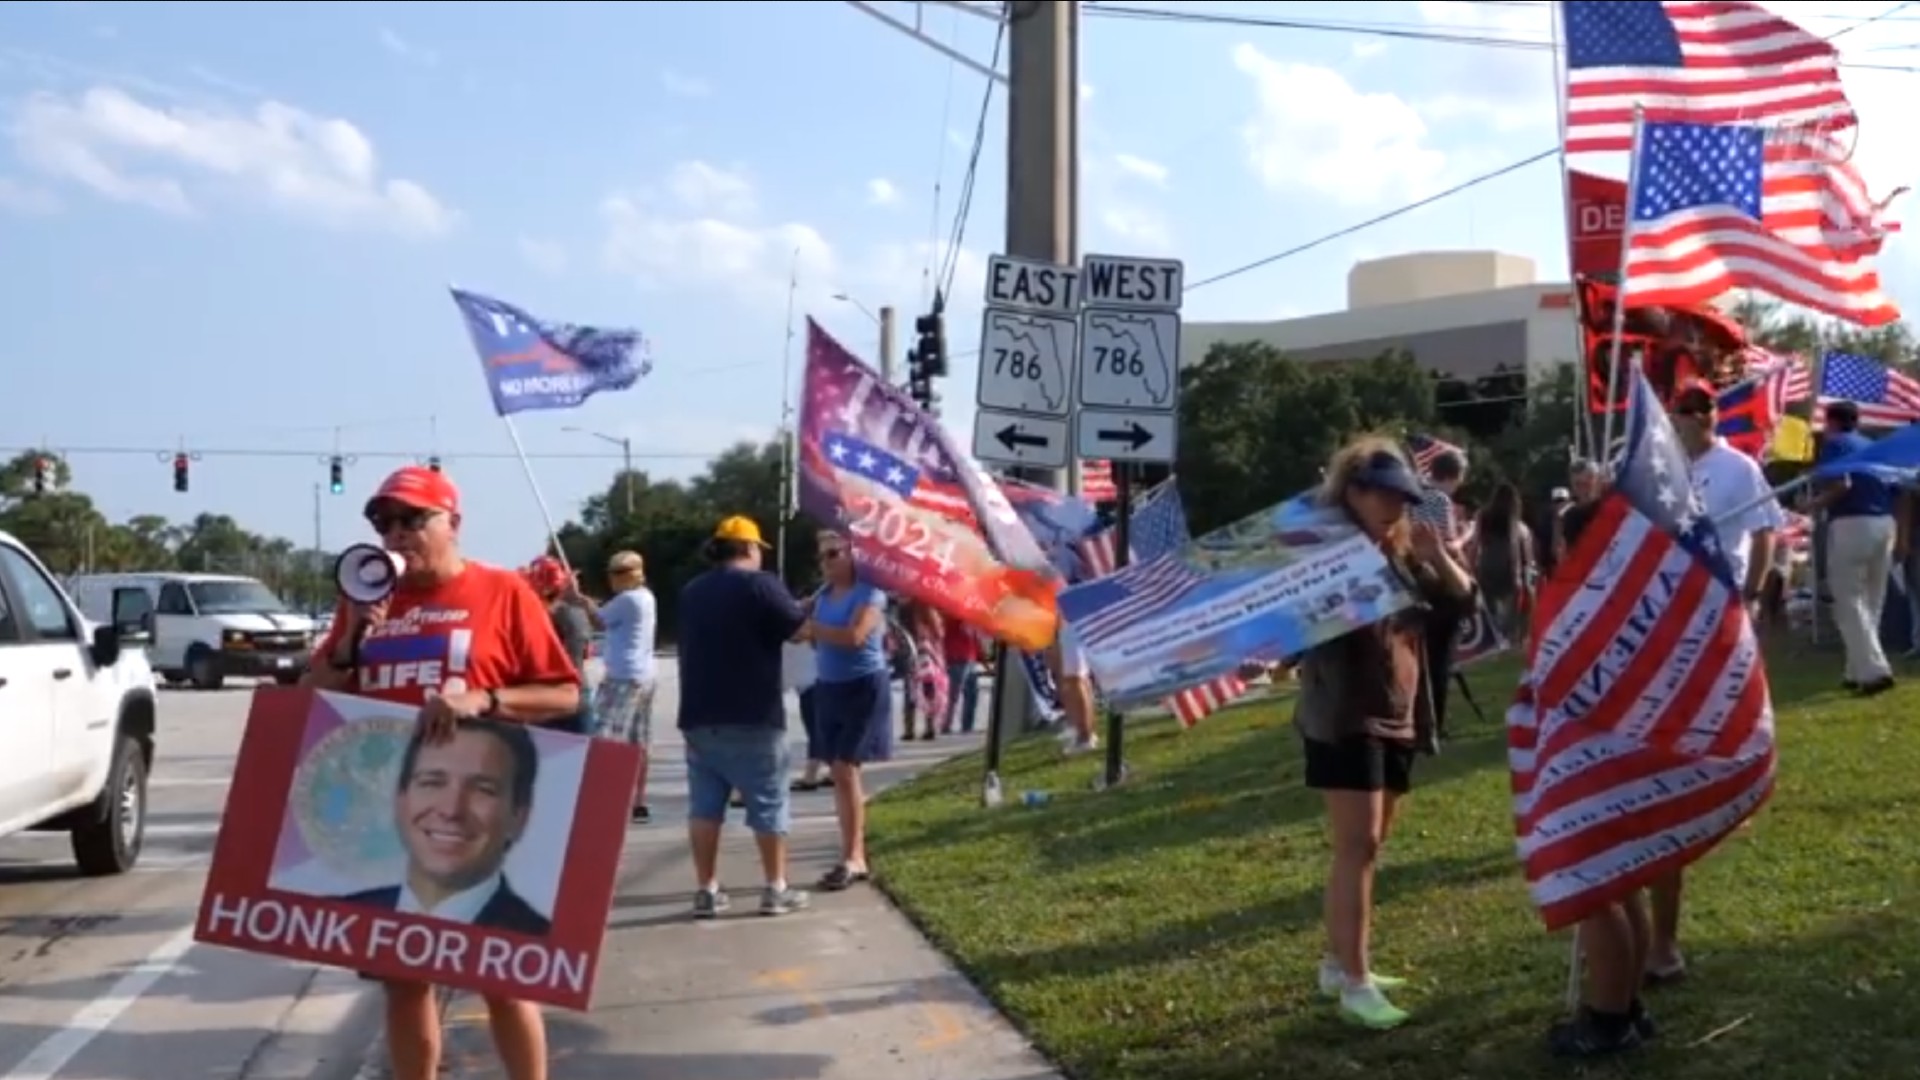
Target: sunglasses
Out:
[411,520]
[829,554]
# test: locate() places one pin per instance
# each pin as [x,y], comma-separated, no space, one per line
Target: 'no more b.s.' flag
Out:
[533,364]
[924,521]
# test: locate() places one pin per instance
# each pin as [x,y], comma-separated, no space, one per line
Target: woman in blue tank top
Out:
[852,696]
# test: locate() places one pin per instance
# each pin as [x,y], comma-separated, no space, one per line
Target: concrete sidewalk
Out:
[847,990]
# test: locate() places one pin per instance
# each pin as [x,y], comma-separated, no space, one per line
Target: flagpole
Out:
[787,433]
[546,515]
[1582,416]
[1620,289]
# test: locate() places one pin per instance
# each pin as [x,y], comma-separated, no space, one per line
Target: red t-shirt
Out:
[482,630]
[961,645]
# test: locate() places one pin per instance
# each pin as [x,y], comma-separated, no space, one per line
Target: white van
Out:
[207,627]
[77,702]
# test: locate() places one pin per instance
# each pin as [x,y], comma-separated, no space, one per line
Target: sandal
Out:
[805,785]
[840,877]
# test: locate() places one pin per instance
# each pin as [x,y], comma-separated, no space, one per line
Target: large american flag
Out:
[1157,530]
[1642,736]
[1703,221]
[1426,449]
[1710,62]
[1885,397]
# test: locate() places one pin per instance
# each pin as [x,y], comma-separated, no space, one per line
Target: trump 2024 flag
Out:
[1642,733]
[530,363]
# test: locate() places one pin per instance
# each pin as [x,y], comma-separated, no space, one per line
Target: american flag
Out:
[1096,482]
[915,486]
[1425,450]
[1884,396]
[1642,735]
[1710,62]
[1786,379]
[1158,529]
[1798,534]
[1702,222]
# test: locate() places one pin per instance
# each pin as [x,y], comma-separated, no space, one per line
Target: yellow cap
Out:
[739,527]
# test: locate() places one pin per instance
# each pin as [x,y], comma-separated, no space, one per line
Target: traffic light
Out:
[336,475]
[931,332]
[920,383]
[179,472]
[434,463]
[43,478]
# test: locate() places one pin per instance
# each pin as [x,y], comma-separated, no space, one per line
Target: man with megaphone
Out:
[419,624]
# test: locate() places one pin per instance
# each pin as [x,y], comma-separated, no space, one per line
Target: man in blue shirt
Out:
[623,704]
[1859,552]
[735,620]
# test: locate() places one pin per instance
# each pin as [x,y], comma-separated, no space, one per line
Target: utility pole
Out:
[626,458]
[319,558]
[1043,222]
[888,374]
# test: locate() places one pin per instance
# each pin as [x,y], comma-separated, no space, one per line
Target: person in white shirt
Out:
[624,702]
[1735,495]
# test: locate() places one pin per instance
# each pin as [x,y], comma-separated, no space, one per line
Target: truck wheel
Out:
[202,669]
[110,843]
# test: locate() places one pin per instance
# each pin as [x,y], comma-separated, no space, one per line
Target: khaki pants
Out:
[1859,558]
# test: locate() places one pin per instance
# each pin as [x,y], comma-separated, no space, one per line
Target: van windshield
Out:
[234,598]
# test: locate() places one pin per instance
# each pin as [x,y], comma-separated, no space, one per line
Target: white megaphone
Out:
[367,573]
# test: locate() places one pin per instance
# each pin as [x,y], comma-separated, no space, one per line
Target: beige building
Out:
[1464,314]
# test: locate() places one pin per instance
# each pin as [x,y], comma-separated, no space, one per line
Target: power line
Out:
[1474,36]
[350,455]
[965,208]
[1379,219]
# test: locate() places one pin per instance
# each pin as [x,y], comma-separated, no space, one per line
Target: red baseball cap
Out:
[420,488]
[547,572]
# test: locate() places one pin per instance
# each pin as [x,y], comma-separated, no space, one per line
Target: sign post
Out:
[1128,394]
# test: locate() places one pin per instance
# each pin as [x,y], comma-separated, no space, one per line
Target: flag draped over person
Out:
[1642,733]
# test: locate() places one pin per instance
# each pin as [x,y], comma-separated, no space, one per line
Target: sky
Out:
[230,226]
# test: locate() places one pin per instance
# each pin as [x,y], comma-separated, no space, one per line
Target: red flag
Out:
[1596,219]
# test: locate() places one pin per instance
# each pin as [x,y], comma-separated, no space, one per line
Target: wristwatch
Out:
[493,704]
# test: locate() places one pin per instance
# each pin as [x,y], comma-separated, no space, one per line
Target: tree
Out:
[64,528]
[671,522]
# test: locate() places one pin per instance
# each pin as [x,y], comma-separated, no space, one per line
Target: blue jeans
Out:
[963,693]
[749,759]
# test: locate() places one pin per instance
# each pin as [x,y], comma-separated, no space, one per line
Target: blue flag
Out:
[533,364]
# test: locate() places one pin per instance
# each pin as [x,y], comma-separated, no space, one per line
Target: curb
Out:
[323,1035]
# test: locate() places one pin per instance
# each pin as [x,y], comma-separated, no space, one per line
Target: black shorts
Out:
[1359,763]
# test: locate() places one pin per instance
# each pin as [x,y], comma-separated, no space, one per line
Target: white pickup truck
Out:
[77,718]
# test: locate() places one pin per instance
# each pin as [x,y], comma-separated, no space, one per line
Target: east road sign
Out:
[1027,362]
[1033,285]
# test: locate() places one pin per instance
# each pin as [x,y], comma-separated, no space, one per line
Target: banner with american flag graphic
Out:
[1883,396]
[923,520]
[1642,734]
[1275,583]
[1159,526]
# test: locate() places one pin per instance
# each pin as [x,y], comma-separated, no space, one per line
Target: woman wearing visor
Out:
[1365,709]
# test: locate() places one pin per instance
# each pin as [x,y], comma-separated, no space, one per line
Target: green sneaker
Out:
[1333,980]
[1369,1008]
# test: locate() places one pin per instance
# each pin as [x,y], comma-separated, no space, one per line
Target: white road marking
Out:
[60,1048]
[190,781]
[208,829]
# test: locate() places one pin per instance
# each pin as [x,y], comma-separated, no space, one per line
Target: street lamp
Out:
[626,455]
[864,309]
[884,321]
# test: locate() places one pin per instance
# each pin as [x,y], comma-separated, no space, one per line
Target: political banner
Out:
[1276,583]
[1479,637]
[924,521]
[530,363]
[484,862]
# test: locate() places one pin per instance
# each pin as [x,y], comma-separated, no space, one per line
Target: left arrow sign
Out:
[1013,437]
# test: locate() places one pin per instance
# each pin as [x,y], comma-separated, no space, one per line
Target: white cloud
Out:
[19,198]
[686,86]
[708,189]
[1086,91]
[546,256]
[126,150]
[1312,129]
[1151,171]
[881,192]
[1367,50]
[411,52]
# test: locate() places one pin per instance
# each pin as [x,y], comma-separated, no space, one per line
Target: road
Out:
[99,978]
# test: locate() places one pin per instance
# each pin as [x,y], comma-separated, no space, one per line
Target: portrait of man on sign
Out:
[459,808]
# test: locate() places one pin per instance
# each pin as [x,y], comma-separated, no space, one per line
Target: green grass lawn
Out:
[1170,928]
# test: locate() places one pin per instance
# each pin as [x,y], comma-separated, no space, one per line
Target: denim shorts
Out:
[751,760]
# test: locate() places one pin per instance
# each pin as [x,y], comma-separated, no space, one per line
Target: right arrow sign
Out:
[1127,436]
